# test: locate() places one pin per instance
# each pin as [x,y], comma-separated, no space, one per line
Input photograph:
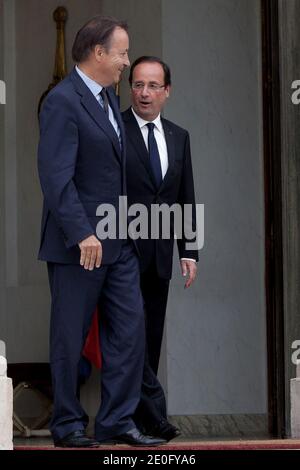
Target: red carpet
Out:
[193,445]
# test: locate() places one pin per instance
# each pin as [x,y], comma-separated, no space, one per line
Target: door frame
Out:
[273,217]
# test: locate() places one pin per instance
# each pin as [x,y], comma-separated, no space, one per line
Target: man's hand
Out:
[188,267]
[91,253]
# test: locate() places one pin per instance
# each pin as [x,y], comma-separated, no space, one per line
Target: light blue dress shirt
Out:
[96,90]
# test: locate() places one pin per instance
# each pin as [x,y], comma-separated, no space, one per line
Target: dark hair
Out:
[97,30]
[153,59]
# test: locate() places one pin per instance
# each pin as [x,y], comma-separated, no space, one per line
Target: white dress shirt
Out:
[159,137]
[161,144]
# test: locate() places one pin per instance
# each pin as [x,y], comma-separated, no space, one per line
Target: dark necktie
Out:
[154,155]
[105,100]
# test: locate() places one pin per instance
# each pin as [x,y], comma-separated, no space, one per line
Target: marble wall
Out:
[216,331]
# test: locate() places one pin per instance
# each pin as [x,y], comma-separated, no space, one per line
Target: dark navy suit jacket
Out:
[177,188]
[81,165]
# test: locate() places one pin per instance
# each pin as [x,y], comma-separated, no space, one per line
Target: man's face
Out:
[148,93]
[115,59]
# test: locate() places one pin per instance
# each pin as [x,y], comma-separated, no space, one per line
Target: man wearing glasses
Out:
[81,166]
[159,171]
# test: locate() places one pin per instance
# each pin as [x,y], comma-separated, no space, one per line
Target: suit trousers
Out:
[152,408]
[75,294]
[155,294]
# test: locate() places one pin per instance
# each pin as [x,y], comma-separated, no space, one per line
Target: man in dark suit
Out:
[159,171]
[82,165]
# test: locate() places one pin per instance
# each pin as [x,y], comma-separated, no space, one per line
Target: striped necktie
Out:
[103,94]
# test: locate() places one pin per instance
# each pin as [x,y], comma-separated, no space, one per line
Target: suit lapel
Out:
[169,136]
[95,110]
[135,136]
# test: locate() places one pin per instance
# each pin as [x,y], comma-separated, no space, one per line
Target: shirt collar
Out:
[141,122]
[91,84]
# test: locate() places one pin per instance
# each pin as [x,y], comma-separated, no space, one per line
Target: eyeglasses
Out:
[139,86]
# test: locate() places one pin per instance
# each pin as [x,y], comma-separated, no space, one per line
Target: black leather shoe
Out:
[165,430]
[76,439]
[134,437]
